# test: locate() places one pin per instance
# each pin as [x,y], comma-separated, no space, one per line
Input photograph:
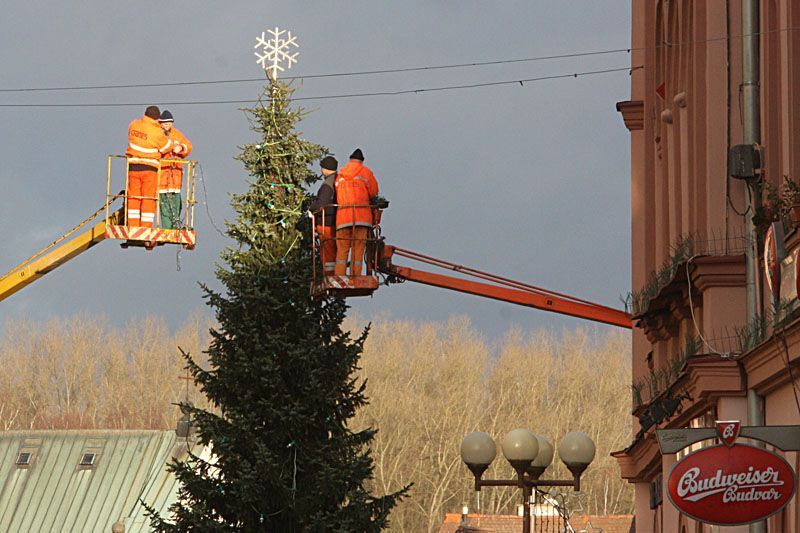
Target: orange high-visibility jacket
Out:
[172,173]
[146,142]
[355,186]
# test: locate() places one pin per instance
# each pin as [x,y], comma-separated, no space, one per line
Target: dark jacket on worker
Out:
[326,196]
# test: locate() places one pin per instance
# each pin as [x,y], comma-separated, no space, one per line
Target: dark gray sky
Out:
[528,182]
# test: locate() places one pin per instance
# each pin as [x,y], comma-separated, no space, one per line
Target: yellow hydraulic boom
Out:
[111,226]
[58,252]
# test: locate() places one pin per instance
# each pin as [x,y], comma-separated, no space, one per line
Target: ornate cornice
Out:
[706,379]
[639,462]
[632,114]
[767,365]
[711,377]
[719,271]
[665,311]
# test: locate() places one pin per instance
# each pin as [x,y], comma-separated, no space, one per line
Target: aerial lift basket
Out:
[323,286]
[185,235]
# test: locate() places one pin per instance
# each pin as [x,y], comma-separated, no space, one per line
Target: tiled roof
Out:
[56,493]
[513,524]
[485,523]
[619,523]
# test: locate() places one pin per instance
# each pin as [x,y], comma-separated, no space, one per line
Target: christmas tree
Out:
[281,368]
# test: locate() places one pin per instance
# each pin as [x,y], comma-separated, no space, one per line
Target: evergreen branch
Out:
[281,368]
[291,246]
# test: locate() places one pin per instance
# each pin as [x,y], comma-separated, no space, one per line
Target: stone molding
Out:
[665,312]
[766,364]
[719,271]
[706,379]
[632,112]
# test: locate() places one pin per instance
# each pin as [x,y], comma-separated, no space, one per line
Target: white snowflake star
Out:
[275,50]
[578,503]
[590,528]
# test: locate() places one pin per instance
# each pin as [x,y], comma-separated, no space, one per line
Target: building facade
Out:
[698,348]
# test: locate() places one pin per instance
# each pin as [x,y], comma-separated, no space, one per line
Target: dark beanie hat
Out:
[166,116]
[152,112]
[329,163]
[357,155]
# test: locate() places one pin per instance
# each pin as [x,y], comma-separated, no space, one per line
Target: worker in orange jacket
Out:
[171,182]
[356,186]
[146,144]
[324,209]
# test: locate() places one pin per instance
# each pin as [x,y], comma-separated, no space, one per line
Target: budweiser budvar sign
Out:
[731,484]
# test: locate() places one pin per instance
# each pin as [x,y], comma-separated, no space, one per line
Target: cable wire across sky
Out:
[566,55]
[315,76]
[520,82]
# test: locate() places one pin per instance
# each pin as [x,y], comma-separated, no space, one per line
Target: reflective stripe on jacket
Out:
[146,142]
[172,173]
[355,186]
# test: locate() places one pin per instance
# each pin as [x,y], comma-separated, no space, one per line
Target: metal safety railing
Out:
[187,188]
[320,234]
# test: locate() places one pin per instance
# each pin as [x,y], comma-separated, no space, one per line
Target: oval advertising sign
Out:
[731,486]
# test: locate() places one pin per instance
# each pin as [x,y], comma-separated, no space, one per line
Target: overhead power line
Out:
[521,82]
[474,85]
[566,55]
[314,76]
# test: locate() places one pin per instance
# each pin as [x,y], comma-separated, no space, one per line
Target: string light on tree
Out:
[275,50]
[267,327]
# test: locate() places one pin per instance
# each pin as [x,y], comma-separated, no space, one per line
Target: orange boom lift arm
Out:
[380,262]
[498,288]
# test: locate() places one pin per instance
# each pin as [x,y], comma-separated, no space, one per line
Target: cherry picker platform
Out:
[149,237]
[111,226]
[380,269]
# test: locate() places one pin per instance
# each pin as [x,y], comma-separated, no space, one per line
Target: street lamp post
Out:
[530,455]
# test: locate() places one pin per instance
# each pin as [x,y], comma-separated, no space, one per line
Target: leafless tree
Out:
[81,372]
[429,384]
[432,383]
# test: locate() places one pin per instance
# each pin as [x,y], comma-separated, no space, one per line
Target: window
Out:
[87,459]
[656,492]
[24,458]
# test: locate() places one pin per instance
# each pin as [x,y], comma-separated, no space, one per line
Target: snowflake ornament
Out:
[577,502]
[275,50]
[590,528]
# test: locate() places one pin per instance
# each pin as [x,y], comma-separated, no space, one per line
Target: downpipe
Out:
[752,135]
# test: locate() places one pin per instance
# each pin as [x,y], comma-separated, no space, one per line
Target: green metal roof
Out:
[56,493]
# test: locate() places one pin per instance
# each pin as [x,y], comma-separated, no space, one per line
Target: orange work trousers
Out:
[350,238]
[142,197]
[327,248]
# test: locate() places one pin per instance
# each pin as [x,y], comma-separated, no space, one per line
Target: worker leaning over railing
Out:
[146,144]
[356,186]
[171,181]
[324,209]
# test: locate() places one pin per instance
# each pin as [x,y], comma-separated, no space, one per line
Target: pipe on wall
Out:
[751,117]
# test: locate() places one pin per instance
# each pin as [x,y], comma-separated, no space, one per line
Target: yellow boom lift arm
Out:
[111,226]
[58,252]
